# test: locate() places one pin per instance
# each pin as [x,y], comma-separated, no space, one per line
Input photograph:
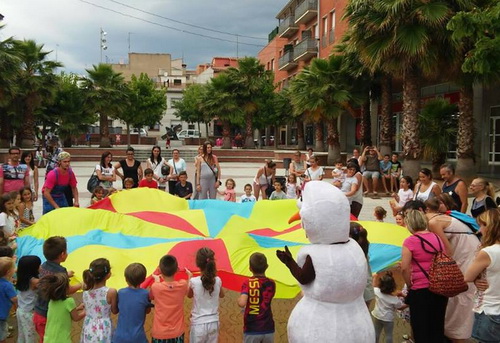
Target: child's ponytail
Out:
[205,260]
[98,270]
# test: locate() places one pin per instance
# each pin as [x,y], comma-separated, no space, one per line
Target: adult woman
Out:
[28,159]
[483,193]
[357,198]
[156,162]
[207,173]
[131,168]
[350,185]
[486,266]
[298,167]
[314,172]
[265,177]
[105,171]
[427,309]
[461,244]
[425,187]
[197,160]
[177,165]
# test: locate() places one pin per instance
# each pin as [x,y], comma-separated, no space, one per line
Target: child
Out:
[61,308]
[9,221]
[360,235]
[486,265]
[133,305]
[248,196]
[385,305]
[404,195]
[7,294]
[55,251]
[256,295]
[395,172]
[229,193]
[168,296]
[379,213]
[27,283]
[97,195]
[206,290]
[400,220]
[385,172]
[291,187]
[128,183]
[25,208]
[338,173]
[277,194]
[99,301]
[148,179]
[183,188]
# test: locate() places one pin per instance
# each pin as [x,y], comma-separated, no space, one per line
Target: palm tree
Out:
[253,83]
[404,38]
[321,91]
[105,96]
[220,102]
[438,128]
[37,85]
[9,68]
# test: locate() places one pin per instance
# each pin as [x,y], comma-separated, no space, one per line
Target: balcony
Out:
[286,61]
[331,36]
[305,50]
[306,11]
[287,27]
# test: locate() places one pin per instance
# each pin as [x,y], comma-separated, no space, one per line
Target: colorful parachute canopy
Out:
[142,225]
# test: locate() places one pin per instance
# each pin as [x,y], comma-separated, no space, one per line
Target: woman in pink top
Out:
[427,309]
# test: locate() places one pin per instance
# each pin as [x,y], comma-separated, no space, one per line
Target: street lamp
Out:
[102,42]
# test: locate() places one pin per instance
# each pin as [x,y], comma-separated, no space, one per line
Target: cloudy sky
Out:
[71,28]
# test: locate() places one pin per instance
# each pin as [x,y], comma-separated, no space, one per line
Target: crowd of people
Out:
[429,212]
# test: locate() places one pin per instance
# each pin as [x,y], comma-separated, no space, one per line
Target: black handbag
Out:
[270,188]
[93,182]
[165,169]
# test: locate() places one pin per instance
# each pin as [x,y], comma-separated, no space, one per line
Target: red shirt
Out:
[149,184]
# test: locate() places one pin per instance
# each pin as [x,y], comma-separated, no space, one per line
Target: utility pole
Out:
[130,33]
[102,41]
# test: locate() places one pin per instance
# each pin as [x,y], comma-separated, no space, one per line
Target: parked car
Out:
[189,133]
[143,132]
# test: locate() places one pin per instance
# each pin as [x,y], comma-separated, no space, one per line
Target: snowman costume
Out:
[331,271]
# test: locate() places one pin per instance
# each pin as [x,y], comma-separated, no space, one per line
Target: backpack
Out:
[445,278]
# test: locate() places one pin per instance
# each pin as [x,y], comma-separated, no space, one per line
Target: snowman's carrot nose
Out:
[294,218]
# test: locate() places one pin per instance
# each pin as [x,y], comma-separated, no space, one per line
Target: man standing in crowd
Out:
[454,186]
[13,175]
[58,181]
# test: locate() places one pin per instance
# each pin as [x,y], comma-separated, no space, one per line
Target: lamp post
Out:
[102,41]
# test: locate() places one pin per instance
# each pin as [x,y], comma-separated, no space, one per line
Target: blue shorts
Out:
[486,328]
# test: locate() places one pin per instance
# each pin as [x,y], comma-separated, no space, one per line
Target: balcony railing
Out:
[306,49]
[331,36]
[288,27]
[286,61]
[306,11]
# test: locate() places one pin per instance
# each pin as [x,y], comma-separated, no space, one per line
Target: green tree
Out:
[106,96]
[37,85]
[321,91]
[476,34]
[438,122]
[407,39]
[189,108]
[253,88]
[221,102]
[146,103]
[9,68]
[68,113]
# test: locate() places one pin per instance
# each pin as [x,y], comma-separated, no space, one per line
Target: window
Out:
[315,31]
[272,64]
[177,82]
[332,20]
[325,25]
